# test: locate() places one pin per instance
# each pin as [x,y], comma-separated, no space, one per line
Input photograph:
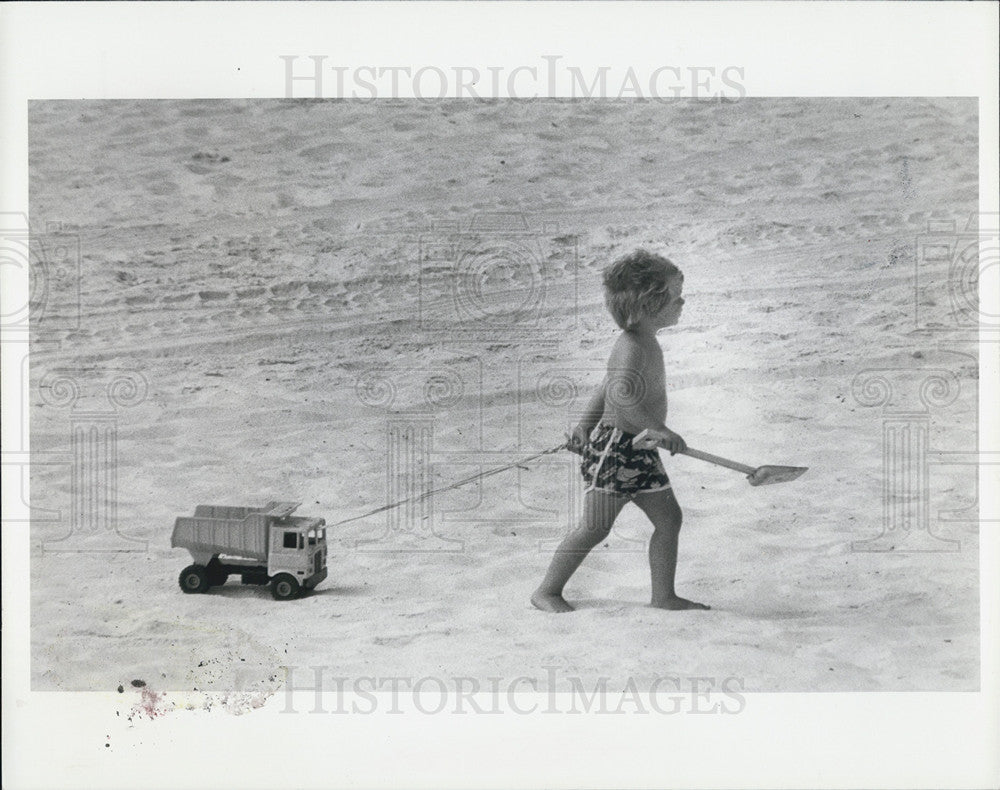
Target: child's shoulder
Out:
[627,349]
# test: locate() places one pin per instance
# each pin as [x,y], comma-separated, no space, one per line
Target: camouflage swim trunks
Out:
[611,465]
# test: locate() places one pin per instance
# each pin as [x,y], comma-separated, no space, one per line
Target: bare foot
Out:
[678,603]
[550,603]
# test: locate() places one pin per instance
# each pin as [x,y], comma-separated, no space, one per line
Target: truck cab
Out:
[298,549]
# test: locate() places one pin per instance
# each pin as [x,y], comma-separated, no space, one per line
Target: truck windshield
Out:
[316,534]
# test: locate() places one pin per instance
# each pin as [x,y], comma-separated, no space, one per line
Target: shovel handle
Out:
[643,440]
[718,460]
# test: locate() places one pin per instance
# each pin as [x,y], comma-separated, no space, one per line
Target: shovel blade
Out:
[765,475]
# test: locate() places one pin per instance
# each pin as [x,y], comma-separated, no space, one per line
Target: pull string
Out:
[464,481]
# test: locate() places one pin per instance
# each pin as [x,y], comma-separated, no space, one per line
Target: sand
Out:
[293,289]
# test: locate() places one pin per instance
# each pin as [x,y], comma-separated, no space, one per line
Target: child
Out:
[643,294]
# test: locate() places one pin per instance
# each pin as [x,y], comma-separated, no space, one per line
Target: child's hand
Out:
[577,440]
[673,442]
[666,439]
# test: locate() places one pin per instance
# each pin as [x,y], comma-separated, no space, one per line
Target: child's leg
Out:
[599,513]
[662,509]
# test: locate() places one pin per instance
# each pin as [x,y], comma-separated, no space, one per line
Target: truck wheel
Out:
[194,579]
[284,587]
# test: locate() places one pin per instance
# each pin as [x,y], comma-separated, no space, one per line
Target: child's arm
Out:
[633,390]
[659,435]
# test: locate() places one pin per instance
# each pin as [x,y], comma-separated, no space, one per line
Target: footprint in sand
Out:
[306,305]
[202,162]
[174,298]
[213,296]
[160,187]
[293,288]
[322,152]
[393,641]
[201,156]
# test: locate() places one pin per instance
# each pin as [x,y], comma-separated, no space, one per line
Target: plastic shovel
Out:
[759,476]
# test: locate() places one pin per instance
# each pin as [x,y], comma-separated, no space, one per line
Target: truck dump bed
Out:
[232,531]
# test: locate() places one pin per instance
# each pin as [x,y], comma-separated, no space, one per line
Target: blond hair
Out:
[637,285]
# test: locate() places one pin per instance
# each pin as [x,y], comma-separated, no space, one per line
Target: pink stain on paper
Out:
[151,703]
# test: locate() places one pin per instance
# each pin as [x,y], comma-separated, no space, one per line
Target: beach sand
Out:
[334,303]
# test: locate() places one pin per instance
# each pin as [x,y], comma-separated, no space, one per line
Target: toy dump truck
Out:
[263,545]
